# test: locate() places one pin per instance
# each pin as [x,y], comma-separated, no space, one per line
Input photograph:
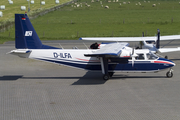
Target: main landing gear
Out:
[169,74]
[111,74]
[107,76]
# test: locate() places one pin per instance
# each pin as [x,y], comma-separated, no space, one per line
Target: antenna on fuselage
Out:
[85,45]
[61,46]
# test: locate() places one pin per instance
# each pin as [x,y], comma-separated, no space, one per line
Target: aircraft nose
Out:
[166,62]
[171,63]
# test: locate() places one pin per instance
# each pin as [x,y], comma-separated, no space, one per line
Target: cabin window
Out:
[150,42]
[140,57]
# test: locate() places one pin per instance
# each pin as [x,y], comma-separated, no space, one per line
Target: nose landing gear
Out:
[169,74]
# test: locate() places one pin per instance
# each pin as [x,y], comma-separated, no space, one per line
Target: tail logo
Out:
[28,33]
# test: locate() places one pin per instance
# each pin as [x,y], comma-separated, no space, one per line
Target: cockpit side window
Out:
[151,56]
[140,57]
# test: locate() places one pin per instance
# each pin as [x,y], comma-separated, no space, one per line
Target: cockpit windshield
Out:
[151,56]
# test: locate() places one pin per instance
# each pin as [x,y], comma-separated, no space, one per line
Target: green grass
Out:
[11,9]
[96,21]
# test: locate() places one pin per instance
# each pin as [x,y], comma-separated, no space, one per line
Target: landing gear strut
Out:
[104,67]
[169,74]
[110,74]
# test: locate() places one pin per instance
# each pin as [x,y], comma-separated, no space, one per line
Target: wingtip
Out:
[80,38]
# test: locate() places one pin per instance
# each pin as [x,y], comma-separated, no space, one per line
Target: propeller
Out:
[133,55]
[158,39]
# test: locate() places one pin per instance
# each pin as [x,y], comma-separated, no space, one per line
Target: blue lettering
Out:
[69,55]
[62,55]
[65,54]
[55,55]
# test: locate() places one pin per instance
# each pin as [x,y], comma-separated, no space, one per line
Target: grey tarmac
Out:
[35,90]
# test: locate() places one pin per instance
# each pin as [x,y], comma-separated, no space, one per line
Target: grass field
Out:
[11,9]
[96,21]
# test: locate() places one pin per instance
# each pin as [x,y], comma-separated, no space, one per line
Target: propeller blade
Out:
[133,51]
[133,57]
[133,61]
[158,39]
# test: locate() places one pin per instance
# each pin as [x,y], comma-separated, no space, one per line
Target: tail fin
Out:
[158,39]
[25,35]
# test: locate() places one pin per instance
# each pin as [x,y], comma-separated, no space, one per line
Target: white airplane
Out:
[113,57]
[151,43]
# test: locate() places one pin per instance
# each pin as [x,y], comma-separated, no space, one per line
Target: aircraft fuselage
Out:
[75,58]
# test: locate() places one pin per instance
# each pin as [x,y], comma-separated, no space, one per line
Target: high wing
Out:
[165,50]
[109,50]
[115,39]
[170,37]
[129,39]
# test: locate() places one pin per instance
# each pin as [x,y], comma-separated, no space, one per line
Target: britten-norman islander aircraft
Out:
[113,57]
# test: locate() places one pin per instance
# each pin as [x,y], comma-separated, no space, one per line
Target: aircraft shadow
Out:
[134,77]
[10,77]
[16,77]
[93,78]
[50,78]
[90,78]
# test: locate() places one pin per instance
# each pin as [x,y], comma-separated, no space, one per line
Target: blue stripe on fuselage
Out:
[138,65]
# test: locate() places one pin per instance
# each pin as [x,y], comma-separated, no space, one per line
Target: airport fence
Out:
[10,23]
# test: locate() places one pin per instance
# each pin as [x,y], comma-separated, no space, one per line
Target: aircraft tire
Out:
[169,74]
[106,77]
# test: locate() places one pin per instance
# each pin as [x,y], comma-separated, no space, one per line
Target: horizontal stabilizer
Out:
[19,51]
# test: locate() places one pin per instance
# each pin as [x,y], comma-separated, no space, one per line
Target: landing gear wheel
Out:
[110,74]
[169,74]
[106,77]
[166,57]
